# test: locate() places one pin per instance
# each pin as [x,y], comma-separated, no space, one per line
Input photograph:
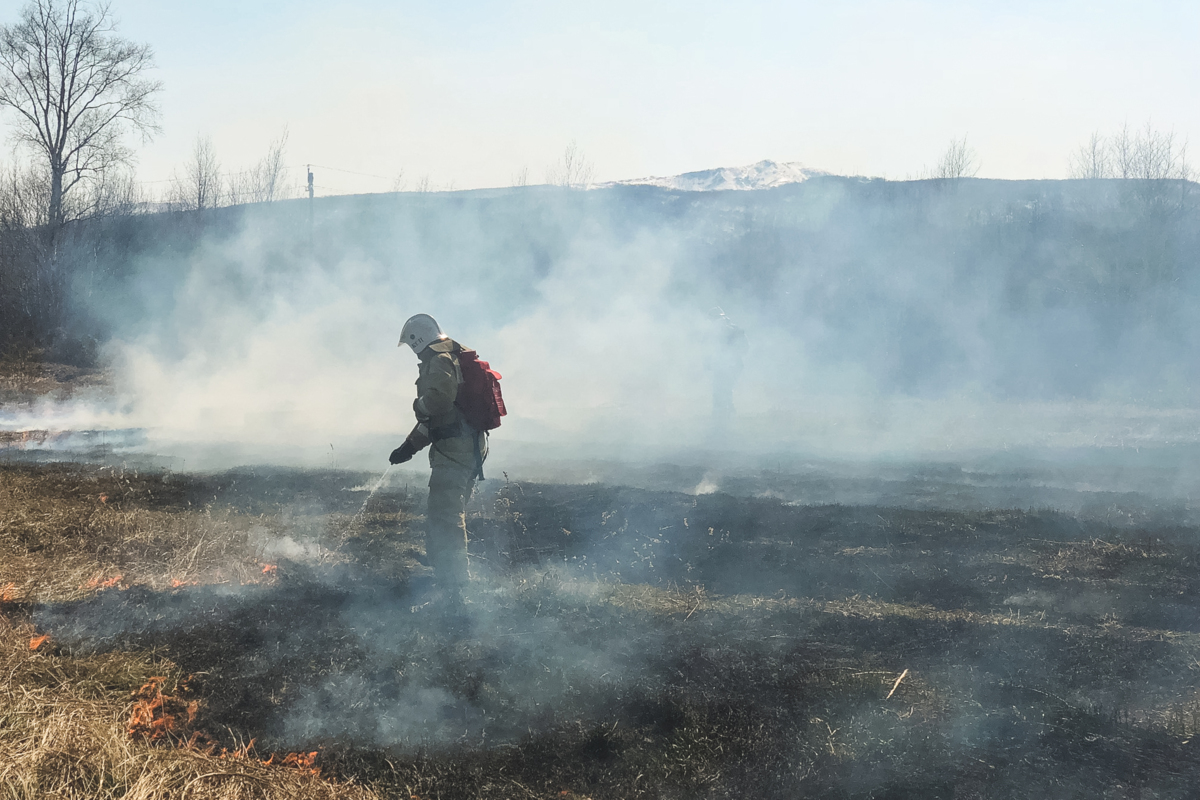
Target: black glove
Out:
[403,453]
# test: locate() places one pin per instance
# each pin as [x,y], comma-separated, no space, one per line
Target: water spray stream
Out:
[371,494]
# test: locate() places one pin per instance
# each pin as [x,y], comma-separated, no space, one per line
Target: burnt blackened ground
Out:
[630,643]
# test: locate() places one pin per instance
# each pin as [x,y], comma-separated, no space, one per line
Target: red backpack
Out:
[479,397]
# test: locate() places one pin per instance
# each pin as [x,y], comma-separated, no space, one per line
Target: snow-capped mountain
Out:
[763,175]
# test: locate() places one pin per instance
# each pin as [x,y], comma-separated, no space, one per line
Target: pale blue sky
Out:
[470,93]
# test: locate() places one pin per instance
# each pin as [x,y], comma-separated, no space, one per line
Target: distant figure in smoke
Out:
[725,364]
[457,453]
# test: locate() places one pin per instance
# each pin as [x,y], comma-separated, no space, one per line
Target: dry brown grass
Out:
[63,733]
[64,533]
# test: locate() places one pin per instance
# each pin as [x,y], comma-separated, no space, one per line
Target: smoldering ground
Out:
[631,642]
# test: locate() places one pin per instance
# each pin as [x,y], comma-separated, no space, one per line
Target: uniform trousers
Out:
[451,483]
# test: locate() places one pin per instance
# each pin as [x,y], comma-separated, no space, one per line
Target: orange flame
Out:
[103,498]
[269,569]
[157,715]
[302,761]
[96,583]
[241,752]
[177,582]
[38,641]
[8,593]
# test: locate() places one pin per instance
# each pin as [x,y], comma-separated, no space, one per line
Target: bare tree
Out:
[201,185]
[1091,160]
[265,181]
[572,171]
[1158,155]
[1160,171]
[116,193]
[271,172]
[399,182]
[1146,155]
[959,161]
[1124,153]
[521,177]
[77,90]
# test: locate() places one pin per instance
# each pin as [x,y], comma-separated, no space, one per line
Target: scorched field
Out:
[263,633]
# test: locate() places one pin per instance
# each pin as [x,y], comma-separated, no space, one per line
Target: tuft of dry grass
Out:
[66,532]
[63,733]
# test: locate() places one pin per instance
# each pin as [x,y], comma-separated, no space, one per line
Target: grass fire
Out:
[370,430]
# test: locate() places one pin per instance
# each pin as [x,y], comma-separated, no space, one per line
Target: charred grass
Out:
[618,643]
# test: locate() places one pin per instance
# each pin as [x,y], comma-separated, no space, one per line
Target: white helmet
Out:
[419,332]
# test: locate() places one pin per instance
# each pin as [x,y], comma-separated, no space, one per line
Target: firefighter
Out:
[456,450]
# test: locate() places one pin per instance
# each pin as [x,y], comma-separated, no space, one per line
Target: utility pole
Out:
[308,168]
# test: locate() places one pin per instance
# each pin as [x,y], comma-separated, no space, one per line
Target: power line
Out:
[294,166]
[352,172]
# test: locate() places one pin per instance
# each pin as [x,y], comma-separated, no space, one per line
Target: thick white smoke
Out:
[864,338]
